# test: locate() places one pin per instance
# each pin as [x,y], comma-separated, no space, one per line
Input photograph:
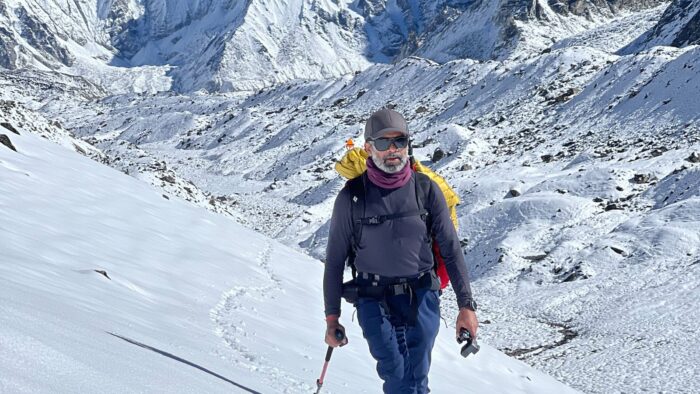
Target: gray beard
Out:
[390,169]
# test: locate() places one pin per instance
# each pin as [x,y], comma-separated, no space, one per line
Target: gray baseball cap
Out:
[383,121]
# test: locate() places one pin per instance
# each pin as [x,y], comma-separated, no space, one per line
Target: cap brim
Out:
[381,133]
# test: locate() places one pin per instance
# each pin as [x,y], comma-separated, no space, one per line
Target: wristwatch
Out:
[471,305]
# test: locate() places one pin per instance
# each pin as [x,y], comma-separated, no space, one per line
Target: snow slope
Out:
[185,300]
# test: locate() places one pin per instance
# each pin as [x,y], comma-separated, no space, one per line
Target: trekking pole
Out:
[339,335]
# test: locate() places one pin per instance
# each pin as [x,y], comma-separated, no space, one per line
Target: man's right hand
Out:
[332,325]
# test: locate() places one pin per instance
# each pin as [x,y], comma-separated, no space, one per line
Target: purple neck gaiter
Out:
[385,180]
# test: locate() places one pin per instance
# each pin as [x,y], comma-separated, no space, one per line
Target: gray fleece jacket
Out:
[395,248]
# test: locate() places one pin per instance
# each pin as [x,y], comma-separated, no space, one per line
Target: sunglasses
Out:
[383,144]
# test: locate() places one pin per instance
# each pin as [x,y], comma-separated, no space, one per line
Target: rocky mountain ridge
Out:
[679,26]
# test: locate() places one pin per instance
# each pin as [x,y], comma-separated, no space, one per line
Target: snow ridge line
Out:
[234,333]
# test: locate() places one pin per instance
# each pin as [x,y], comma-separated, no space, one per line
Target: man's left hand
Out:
[467,319]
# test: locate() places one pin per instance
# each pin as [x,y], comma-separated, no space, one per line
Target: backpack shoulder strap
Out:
[356,186]
[422,191]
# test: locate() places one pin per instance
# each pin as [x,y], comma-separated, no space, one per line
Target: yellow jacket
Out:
[353,165]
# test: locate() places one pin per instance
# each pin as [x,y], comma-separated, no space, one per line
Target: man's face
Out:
[391,160]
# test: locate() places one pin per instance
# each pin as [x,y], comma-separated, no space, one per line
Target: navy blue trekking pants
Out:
[402,351]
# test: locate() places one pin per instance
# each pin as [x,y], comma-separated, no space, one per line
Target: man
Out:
[398,306]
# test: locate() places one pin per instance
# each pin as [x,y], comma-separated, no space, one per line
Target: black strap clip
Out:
[375,220]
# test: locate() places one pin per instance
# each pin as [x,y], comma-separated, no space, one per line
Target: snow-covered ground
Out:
[185,300]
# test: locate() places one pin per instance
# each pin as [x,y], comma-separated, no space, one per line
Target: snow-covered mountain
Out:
[223,45]
[213,45]
[244,45]
[571,136]
[449,30]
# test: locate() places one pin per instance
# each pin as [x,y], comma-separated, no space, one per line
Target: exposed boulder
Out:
[5,140]
[613,207]
[466,167]
[642,178]
[658,152]
[575,273]
[513,193]
[693,158]
[9,126]
[619,251]
[438,155]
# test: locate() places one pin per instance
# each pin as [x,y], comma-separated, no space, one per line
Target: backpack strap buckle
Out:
[424,215]
[397,289]
[379,219]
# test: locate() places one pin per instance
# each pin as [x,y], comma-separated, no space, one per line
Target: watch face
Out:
[472,304]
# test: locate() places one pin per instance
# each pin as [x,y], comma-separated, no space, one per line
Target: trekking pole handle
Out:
[329,353]
[464,335]
[471,347]
[339,334]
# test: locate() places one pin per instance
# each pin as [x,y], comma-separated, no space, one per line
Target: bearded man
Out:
[385,230]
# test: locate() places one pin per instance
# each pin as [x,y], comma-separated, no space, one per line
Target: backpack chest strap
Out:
[379,219]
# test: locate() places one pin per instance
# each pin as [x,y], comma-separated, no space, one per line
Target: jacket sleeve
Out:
[446,236]
[337,250]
